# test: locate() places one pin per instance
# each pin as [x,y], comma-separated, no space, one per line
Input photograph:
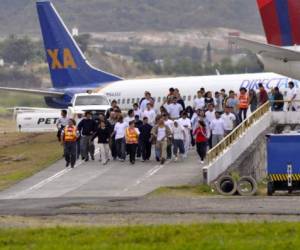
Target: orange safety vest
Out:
[244,101]
[131,136]
[70,134]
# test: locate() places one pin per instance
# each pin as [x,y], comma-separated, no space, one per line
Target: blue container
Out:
[283,162]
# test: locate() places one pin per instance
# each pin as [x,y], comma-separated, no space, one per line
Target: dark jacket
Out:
[138,124]
[181,102]
[102,134]
[145,132]
[278,106]
[87,127]
[154,133]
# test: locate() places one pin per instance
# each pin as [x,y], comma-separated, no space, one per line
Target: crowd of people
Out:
[173,129]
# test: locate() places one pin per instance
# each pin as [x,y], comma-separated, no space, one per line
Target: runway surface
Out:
[116,179]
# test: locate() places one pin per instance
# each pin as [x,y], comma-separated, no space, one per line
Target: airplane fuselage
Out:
[127,92]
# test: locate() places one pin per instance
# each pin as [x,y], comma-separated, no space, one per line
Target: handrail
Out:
[237,132]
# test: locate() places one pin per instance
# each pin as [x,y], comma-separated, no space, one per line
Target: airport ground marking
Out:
[47,180]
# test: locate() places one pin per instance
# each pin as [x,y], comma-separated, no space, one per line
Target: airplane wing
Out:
[269,50]
[33,91]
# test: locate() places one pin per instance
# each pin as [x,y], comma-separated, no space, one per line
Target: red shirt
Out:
[200,135]
[263,96]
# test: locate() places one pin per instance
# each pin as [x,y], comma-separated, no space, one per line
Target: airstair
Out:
[224,154]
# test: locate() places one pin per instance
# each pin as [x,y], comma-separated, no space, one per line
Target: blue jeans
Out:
[178,145]
[121,148]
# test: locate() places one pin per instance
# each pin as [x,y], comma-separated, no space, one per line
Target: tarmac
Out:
[116,194]
[116,179]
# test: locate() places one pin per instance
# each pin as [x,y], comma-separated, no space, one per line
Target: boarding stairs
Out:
[224,154]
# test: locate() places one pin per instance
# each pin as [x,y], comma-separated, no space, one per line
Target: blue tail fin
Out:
[67,64]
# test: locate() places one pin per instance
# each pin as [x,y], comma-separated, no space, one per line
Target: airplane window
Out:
[119,101]
[132,101]
[184,98]
[159,99]
[164,99]
[123,101]
[138,100]
[128,101]
[195,97]
[189,98]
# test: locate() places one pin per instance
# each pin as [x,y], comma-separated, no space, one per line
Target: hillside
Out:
[19,16]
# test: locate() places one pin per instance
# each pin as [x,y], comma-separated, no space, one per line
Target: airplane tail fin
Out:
[281,21]
[67,64]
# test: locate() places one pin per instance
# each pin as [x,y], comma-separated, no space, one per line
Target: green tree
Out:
[18,50]
[208,53]
[226,66]
[83,41]
[145,56]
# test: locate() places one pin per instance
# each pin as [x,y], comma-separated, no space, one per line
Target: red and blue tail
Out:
[281,21]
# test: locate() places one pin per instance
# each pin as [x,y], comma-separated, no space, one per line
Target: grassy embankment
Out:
[203,236]
[21,154]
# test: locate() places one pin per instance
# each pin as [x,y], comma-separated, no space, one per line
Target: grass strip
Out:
[203,236]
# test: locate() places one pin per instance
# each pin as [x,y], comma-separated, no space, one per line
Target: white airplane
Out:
[128,92]
[281,21]
[71,73]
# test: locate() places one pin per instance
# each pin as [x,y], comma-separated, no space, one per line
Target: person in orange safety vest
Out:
[132,138]
[69,137]
[243,104]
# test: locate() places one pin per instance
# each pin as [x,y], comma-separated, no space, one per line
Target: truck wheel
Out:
[226,185]
[270,188]
[247,186]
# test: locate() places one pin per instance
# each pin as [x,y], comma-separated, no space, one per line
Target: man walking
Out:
[291,97]
[217,129]
[132,138]
[145,139]
[278,103]
[103,134]
[61,123]
[87,127]
[243,104]
[229,120]
[162,135]
[69,137]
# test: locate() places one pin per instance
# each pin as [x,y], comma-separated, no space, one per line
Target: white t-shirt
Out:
[210,115]
[120,129]
[143,105]
[178,133]
[217,127]
[128,119]
[63,121]
[291,93]
[199,103]
[185,123]
[151,115]
[167,106]
[229,120]
[174,110]
[161,133]
[137,112]
[170,124]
